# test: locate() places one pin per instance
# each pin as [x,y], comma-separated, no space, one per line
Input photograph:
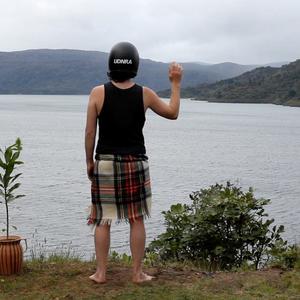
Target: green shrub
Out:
[223,228]
[285,256]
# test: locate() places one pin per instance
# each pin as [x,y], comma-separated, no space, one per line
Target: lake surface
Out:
[252,144]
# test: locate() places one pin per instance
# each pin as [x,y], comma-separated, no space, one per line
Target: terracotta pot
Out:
[11,255]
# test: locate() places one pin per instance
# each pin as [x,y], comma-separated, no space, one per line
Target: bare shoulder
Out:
[148,92]
[149,96]
[97,97]
[97,91]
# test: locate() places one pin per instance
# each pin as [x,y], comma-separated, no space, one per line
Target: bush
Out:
[285,256]
[222,228]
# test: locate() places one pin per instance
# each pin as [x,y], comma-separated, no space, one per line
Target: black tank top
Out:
[121,121]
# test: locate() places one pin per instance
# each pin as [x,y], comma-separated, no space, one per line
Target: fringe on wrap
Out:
[91,219]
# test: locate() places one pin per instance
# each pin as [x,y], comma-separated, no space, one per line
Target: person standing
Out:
[119,172]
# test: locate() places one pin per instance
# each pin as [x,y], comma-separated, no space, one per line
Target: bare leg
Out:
[137,247]
[102,241]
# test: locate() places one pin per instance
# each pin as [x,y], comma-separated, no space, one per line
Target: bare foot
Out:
[142,277]
[98,278]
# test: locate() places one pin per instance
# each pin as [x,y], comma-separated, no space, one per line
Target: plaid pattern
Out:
[121,188]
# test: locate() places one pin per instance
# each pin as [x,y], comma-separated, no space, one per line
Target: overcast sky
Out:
[241,31]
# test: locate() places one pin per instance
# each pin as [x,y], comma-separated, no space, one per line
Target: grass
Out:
[61,277]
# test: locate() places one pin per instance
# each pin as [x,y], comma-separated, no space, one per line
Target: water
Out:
[252,144]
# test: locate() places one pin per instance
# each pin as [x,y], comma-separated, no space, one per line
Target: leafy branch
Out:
[9,160]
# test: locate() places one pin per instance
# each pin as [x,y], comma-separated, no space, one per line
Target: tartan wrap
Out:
[121,188]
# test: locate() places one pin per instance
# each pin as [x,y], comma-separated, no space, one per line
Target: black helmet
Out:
[123,61]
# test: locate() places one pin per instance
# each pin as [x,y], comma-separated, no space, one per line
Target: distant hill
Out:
[45,71]
[275,64]
[261,85]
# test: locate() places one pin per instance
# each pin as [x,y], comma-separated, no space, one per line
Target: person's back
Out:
[121,121]
[121,187]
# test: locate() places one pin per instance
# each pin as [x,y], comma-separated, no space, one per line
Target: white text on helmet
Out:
[123,61]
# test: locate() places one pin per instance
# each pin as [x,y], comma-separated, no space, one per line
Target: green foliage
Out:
[9,160]
[285,256]
[120,258]
[224,228]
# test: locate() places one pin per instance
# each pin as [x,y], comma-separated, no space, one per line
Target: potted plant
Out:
[11,252]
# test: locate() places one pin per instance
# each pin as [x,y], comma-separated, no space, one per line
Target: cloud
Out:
[213,31]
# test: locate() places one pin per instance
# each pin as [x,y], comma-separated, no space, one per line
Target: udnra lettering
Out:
[123,61]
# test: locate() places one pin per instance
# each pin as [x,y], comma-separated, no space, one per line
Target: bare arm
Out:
[94,108]
[168,110]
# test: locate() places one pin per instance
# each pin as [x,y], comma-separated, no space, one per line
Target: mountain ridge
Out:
[261,85]
[72,71]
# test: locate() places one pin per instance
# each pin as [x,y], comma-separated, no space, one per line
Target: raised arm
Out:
[167,110]
[93,110]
